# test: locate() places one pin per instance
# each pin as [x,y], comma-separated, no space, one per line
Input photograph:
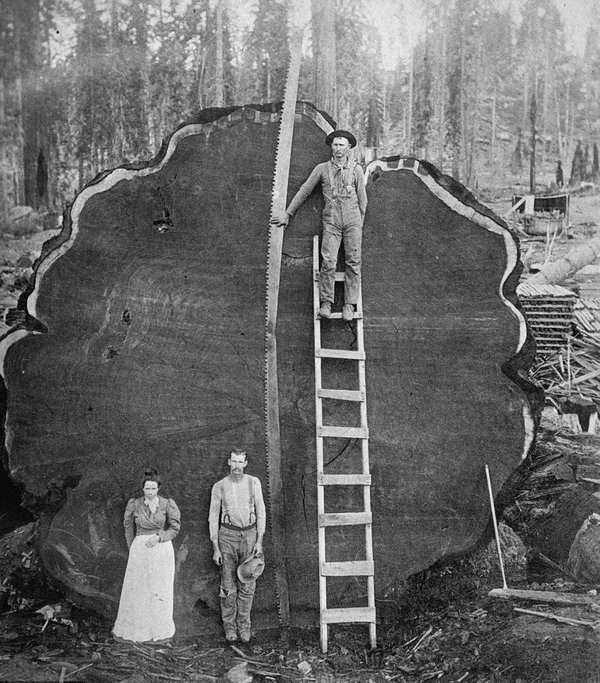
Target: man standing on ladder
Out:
[343,186]
[236,522]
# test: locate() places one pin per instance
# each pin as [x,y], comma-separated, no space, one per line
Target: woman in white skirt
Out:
[146,606]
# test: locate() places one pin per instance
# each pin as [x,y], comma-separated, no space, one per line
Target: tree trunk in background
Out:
[568,143]
[472,122]
[525,101]
[492,158]
[116,93]
[560,140]
[324,56]
[34,112]
[219,87]
[141,138]
[411,97]
[18,147]
[5,201]
[201,73]
[533,122]
[571,129]
[545,109]
[463,112]
[442,96]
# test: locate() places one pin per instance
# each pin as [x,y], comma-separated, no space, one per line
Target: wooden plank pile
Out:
[573,369]
[587,315]
[567,334]
[550,311]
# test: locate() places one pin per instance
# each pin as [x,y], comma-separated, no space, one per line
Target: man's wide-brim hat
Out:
[250,569]
[341,134]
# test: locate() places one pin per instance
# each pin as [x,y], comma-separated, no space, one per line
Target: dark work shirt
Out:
[343,177]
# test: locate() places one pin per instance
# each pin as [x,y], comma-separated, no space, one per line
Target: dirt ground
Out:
[441,625]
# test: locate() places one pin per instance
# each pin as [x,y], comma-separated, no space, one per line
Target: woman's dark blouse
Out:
[139,521]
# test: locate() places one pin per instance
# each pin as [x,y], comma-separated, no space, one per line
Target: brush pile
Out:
[573,370]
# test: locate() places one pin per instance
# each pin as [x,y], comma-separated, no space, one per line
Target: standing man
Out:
[237,525]
[343,186]
[560,180]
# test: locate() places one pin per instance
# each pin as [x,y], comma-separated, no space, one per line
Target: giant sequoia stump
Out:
[144,344]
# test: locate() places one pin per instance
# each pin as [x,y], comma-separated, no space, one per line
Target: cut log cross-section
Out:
[152,301]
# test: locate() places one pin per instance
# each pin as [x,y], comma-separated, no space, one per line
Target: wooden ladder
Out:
[353,568]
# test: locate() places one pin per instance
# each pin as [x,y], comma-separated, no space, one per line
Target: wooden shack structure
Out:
[143,344]
[543,214]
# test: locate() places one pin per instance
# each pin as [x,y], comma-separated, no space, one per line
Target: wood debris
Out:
[574,369]
[548,597]
[557,617]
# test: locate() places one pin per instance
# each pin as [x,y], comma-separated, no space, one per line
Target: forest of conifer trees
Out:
[89,84]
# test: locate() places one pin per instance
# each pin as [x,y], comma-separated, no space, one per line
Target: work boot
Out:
[325,310]
[348,312]
[245,636]
[230,636]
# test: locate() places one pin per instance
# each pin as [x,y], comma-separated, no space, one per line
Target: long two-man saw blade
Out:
[278,205]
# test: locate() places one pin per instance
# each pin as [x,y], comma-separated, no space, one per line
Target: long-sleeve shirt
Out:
[351,174]
[139,521]
[236,502]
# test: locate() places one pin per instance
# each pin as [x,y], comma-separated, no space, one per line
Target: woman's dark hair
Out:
[150,474]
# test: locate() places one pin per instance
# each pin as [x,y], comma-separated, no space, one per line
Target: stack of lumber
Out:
[550,312]
[567,334]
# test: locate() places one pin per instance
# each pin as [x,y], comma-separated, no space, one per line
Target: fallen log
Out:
[144,344]
[548,597]
[558,271]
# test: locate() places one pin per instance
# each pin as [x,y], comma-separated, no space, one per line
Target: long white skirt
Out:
[146,605]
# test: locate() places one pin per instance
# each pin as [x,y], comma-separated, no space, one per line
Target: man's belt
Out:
[224,525]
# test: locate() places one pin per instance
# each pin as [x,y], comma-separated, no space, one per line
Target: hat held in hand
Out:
[250,569]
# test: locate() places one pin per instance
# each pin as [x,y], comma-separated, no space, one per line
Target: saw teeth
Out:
[278,195]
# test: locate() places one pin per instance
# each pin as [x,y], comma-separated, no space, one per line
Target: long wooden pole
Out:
[489,483]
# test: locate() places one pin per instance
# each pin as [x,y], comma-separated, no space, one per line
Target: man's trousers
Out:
[236,596]
[341,221]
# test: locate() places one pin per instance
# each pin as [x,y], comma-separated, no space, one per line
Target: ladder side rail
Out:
[317,345]
[324,628]
[366,466]
[362,383]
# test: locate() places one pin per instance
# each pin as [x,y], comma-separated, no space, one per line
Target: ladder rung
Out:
[338,315]
[345,518]
[340,275]
[344,479]
[348,615]
[340,353]
[343,432]
[356,568]
[342,394]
